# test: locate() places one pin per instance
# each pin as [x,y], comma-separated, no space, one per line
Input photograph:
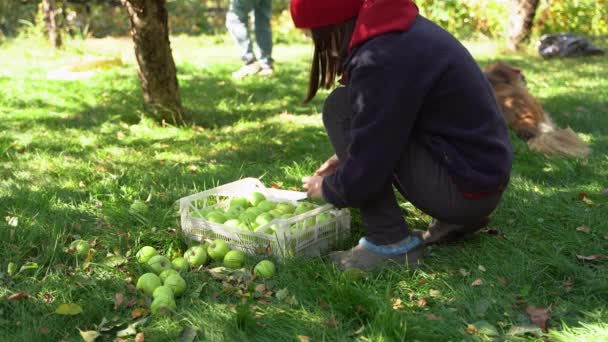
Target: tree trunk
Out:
[157,74]
[520,22]
[49,11]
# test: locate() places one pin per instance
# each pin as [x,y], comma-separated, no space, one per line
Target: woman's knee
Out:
[336,105]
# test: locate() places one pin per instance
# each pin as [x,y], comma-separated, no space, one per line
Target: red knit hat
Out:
[318,13]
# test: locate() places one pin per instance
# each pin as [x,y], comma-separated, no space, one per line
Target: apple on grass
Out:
[180,264]
[196,256]
[148,282]
[166,273]
[80,248]
[218,249]
[264,269]
[176,283]
[145,253]
[159,263]
[162,291]
[234,259]
[163,305]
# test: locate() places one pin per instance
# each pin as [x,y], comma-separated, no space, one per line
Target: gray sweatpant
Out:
[419,177]
[237,22]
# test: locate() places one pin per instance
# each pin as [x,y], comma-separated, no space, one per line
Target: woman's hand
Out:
[313,186]
[329,167]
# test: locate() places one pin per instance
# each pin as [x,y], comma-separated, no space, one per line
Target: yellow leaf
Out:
[68,309]
[89,336]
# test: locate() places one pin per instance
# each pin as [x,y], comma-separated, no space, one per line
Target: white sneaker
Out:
[247,70]
[266,70]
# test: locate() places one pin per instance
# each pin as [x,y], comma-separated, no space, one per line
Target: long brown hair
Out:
[331,50]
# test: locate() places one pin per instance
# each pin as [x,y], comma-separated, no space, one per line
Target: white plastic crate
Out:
[292,236]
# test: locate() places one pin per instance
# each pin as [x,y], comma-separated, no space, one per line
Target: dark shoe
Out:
[441,232]
[366,256]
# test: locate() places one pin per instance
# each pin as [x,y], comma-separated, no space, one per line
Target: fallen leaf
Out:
[397,304]
[44,330]
[583,197]
[139,337]
[433,317]
[595,257]
[568,285]
[115,261]
[188,334]
[129,331]
[502,280]
[464,272]
[538,315]
[139,312]
[485,328]
[520,330]
[583,229]
[477,282]
[192,168]
[331,322]
[119,299]
[481,268]
[89,335]
[18,296]
[434,293]
[302,338]
[421,302]
[471,329]
[260,288]
[48,298]
[277,185]
[12,221]
[68,309]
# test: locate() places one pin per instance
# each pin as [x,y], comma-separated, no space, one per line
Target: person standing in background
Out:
[237,22]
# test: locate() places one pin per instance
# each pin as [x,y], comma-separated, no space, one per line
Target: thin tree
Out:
[157,73]
[520,22]
[49,13]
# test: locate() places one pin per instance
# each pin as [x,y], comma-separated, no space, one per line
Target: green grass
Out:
[75,154]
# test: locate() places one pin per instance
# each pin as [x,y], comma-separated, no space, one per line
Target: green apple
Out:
[234,259]
[139,207]
[163,291]
[216,217]
[303,207]
[286,207]
[180,264]
[275,213]
[159,263]
[196,256]
[148,282]
[254,211]
[266,205]
[166,273]
[255,198]
[234,212]
[324,217]
[163,305]
[176,283]
[218,249]
[80,248]
[244,225]
[264,218]
[11,269]
[232,222]
[145,253]
[239,202]
[264,269]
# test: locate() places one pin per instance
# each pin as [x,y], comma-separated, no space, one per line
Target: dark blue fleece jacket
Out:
[419,84]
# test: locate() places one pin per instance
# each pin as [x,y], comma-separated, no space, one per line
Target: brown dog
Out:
[526,116]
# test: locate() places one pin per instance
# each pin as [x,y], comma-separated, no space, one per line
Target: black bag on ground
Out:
[566,45]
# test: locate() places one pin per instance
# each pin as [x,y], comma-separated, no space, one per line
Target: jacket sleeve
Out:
[385,108]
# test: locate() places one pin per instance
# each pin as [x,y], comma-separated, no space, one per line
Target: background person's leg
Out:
[381,215]
[237,22]
[263,31]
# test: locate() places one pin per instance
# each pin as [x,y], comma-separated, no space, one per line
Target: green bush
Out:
[578,16]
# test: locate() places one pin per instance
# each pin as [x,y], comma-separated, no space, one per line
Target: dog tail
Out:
[556,142]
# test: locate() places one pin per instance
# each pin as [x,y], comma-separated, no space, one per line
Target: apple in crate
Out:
[286,207]
[303,207]
[239,202]
[196,256]
[216,217]
[266,205]
[159,263]
[264,218]
[232,223]
[255,198]
[218,249]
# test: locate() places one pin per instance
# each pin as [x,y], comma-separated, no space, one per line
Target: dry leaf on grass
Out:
[119,299]
[18,296]
[595,257]
[583,229]
[477,282]
[539,315]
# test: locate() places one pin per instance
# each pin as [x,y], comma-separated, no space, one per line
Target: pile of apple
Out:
[253,211]
[164,281]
